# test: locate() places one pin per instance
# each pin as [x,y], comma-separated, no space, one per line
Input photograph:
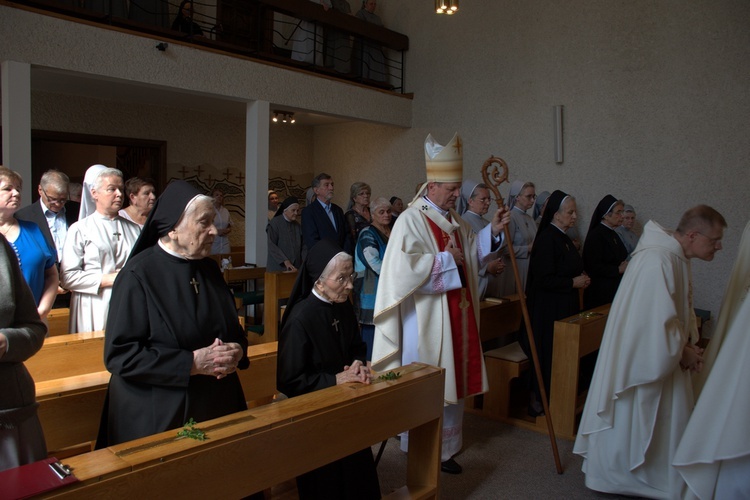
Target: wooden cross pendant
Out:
[195,284]
[335,324]
[117,235]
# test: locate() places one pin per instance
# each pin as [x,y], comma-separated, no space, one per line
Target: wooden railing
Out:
[260,29]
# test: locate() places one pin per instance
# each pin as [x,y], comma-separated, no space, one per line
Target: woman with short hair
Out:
[358,214]
[368,258]
[35,255]
[141,195]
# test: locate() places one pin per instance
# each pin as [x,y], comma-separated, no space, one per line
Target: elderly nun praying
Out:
[320,346]
[173,341]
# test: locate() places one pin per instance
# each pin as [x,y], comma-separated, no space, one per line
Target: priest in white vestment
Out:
[427,305]
[96,248]
[641,396]
[714,453]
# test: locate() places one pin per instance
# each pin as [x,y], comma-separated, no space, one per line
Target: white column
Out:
[256,182]
[16,102]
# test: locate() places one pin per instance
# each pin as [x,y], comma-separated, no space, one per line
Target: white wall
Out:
[655,94]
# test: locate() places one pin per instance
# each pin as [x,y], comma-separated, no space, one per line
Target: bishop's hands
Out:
[500,220]
[458,255]
[217,360]
[692,358]
[357,372]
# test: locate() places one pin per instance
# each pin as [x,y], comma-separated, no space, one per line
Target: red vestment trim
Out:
[467,349]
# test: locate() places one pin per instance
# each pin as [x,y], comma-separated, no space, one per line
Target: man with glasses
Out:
[641,395]
[54,214]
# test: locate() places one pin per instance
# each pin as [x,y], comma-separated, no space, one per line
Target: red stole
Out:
[467,349]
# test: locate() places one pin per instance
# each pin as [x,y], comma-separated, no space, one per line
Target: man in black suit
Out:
[324,220]
[53,213]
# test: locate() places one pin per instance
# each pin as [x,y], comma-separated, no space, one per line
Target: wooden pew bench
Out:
[71,383]
[281,441]
[575,337]
[497,320]
[278,286]
[58,321]
[241,276]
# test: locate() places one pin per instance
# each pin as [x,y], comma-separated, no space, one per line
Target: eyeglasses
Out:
[486,200]
[57,201]
[529,196]
[341,279]
[713,241]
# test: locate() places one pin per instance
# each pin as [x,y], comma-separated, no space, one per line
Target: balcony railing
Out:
[296,33]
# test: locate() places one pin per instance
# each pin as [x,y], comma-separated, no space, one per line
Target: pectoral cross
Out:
[335,324]
[117,235]
[195,285]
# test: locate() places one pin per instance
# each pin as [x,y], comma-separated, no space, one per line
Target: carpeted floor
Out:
[500,462]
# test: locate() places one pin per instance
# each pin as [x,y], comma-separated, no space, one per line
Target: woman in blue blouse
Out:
[37,259]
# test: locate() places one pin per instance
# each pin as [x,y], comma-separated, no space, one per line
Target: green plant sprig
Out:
[192,432]
[390,376]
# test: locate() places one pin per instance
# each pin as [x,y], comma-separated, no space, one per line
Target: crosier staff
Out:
[494,173]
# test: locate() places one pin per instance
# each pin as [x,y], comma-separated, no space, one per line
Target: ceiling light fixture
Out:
[448,7]
[283,117]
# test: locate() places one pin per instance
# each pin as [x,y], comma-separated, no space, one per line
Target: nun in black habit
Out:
[555,275]
[320,346]
[604,254]
[173,341]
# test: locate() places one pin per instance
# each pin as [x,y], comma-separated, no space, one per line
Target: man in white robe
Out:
[426,284]
[714,453]
[641,396]
[96,248]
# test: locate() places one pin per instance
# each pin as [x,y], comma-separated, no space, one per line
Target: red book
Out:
[33,479]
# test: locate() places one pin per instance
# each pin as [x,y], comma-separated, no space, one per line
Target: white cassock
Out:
[714,453]
[640,399]
[94,246]
[412,321]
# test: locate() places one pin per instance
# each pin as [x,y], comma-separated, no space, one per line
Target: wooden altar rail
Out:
[71,383]
[575,337]
[280,441]
[277,286]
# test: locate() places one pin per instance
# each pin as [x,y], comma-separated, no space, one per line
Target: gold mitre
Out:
[444,163]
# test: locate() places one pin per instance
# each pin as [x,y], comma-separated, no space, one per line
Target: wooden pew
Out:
[254,297]
[71,383]
[238,258]
[575,337]
[281,441]
[498,318]
[278,286]
[58,321]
